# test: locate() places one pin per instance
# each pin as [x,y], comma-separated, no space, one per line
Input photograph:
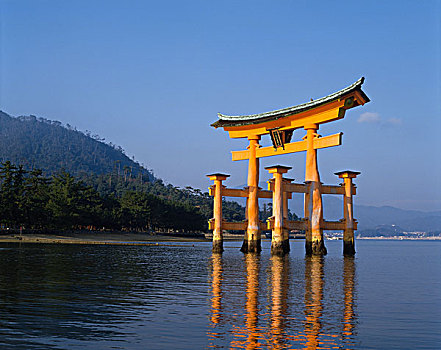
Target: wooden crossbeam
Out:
[241,225]
[295,224]
[290,187]
[332,189]
[287,187]
[236,226]
[241,192]
[293,147]
[333,225]
[287,224]
[232,192]
[336,189]
[229,192]
[265,194]
[296,188]
[263,226]
[337,225]
[303,188]
[302,224]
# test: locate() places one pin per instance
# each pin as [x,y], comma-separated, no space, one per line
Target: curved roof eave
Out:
[226,120]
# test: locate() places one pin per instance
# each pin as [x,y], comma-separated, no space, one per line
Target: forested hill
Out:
[50,146]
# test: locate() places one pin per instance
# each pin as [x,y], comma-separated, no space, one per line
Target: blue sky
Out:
[151,77]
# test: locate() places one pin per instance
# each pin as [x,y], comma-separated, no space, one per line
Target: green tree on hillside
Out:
[71,203]
[66,202]
[136,210]
[35,212]
[8,198]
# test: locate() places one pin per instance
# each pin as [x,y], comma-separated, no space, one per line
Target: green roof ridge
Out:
[226,120]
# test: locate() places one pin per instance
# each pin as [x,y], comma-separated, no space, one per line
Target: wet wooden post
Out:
[279,243]
[348,210]
[217,211]
[307,202]
[286,196]
[252,239]
[314,242]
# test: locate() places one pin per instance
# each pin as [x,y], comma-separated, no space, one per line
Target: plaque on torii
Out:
[280,126]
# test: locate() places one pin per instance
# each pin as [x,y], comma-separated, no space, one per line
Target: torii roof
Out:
[227,121]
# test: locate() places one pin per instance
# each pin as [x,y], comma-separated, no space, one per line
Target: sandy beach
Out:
[97,238]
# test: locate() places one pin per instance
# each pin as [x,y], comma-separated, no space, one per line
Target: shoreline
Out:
[402,238]
[141,239]
[97,238]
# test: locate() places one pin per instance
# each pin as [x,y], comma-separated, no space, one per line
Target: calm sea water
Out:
[168,297]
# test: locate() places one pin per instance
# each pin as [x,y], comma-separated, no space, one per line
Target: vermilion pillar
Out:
[286,196]
[279,243]
[217,211]
[348,210]
[314,243]
[252,240]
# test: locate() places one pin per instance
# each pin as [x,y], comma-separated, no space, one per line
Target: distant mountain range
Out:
[50,146]
[371,219]
[384,220]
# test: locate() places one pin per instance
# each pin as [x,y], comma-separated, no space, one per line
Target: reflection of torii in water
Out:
[313,300]
[280,125]
[314,282]
[279,333]
[250,337]
[280,280]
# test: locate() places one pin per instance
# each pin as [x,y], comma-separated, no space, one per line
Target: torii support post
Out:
[218,245]
[252,240]
[348,210]
[279,241]
[314,243]
[286,196]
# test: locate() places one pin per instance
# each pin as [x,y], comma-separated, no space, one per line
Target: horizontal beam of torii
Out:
[293,147]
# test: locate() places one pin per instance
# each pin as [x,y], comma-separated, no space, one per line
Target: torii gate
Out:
[280,125]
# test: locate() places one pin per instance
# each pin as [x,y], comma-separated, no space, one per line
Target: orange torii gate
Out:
[280,125]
